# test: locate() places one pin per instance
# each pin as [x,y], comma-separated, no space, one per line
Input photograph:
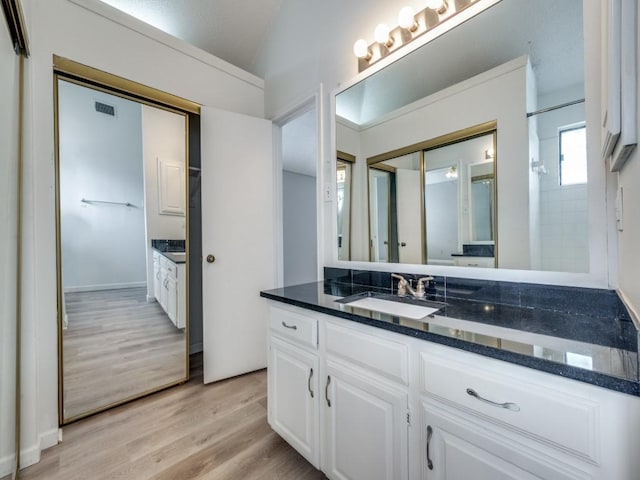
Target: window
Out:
[573,155]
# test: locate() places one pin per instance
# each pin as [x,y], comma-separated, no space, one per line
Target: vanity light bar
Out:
[410,27]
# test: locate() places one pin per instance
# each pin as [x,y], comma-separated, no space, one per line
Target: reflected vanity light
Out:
[410,27]
[452,173]
[488,153]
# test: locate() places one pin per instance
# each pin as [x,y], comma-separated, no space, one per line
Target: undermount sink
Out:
[391,306]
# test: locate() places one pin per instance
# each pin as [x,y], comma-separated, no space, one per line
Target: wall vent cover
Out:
[106,109]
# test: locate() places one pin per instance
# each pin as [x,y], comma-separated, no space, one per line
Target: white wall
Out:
[298,55]
[164,137]
[92,33]
[103,245]
[9,84]
[299,225]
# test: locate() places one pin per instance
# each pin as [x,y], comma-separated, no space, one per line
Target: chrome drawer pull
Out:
[326,391]
[309,382]
[429,435]
[508,405]
[292,327]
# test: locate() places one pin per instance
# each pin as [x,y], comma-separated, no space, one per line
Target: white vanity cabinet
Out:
[169,288]
[293,382]
[330,400]
[396,407]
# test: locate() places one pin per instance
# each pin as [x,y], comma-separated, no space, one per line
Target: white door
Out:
[366,430]
[293,398]
[409,216]
[238,230]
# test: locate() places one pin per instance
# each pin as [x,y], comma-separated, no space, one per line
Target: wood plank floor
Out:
[193,431]
[117,345]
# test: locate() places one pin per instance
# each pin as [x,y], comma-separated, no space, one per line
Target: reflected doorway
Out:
[122,247]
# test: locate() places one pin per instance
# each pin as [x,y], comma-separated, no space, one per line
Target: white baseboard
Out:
[105,286]
[195,348]
[150,298]
[7,464]
[31,455]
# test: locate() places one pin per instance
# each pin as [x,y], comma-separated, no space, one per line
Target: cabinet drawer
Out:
[172,269]
[569,422]
[371,352]
[300,328]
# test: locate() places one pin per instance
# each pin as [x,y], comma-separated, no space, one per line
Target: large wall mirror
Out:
[122,246]
[512,195]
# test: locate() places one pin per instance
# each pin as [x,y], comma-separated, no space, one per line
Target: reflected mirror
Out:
[122,247]
[436,204]
[520,200]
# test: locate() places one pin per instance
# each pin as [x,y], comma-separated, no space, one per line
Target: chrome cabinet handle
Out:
[309,382]
[326,391]
[292,327]
[429,435]
[508,405]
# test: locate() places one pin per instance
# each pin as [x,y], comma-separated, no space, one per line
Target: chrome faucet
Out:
[404,286]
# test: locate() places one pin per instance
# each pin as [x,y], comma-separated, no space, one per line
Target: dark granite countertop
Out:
[599,347]
[175,257]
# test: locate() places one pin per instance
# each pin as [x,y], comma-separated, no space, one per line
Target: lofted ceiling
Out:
[211,25]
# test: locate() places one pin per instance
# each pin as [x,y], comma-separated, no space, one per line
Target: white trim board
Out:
[105,286]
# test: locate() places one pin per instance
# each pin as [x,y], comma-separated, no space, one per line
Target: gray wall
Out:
[299,225]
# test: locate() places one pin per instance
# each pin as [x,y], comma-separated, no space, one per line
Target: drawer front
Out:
[549,415]
[296,327]
[385,357]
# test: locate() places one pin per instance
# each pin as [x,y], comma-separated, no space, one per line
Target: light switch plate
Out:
[327,193]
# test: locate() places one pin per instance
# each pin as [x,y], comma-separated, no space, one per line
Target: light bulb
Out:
[381,33]
[361,49]
[439,6]
[406,18]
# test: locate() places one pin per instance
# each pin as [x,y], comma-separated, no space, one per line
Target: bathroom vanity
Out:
[169,284]
[502,380]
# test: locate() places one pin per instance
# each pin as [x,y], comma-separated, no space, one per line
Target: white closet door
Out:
[238,230]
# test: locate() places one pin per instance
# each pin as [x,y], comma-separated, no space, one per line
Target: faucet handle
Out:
[420,290]
[402,284]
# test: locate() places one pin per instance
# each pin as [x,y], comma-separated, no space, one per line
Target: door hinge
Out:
[408,418]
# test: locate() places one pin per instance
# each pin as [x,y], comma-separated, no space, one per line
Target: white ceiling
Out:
[212,25]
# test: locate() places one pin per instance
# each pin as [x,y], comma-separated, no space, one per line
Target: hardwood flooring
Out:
[117,345]
[192,431]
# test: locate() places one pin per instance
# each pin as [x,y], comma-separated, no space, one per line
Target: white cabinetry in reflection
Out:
[171,187]
[389,406]
[169,288]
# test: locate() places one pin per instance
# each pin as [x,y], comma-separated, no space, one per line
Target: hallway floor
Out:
[192,431]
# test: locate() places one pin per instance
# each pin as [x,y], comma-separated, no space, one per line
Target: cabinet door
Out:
[455,448]
[157,282]
[366,430]
[172,300]
[293,398]
[171,187]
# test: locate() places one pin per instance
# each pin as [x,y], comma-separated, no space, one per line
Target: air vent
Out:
[106,109]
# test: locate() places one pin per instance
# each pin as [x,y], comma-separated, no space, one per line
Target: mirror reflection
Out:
[435,205]
[122,259]
[521,202]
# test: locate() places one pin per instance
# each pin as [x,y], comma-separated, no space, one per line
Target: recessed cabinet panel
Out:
[366,435]
[508,399]
[456,446]
[293,398]
[171,187]
[373,352]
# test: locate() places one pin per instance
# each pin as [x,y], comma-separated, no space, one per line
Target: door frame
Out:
[297,108]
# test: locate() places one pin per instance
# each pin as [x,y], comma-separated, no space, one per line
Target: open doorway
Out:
[299,154]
